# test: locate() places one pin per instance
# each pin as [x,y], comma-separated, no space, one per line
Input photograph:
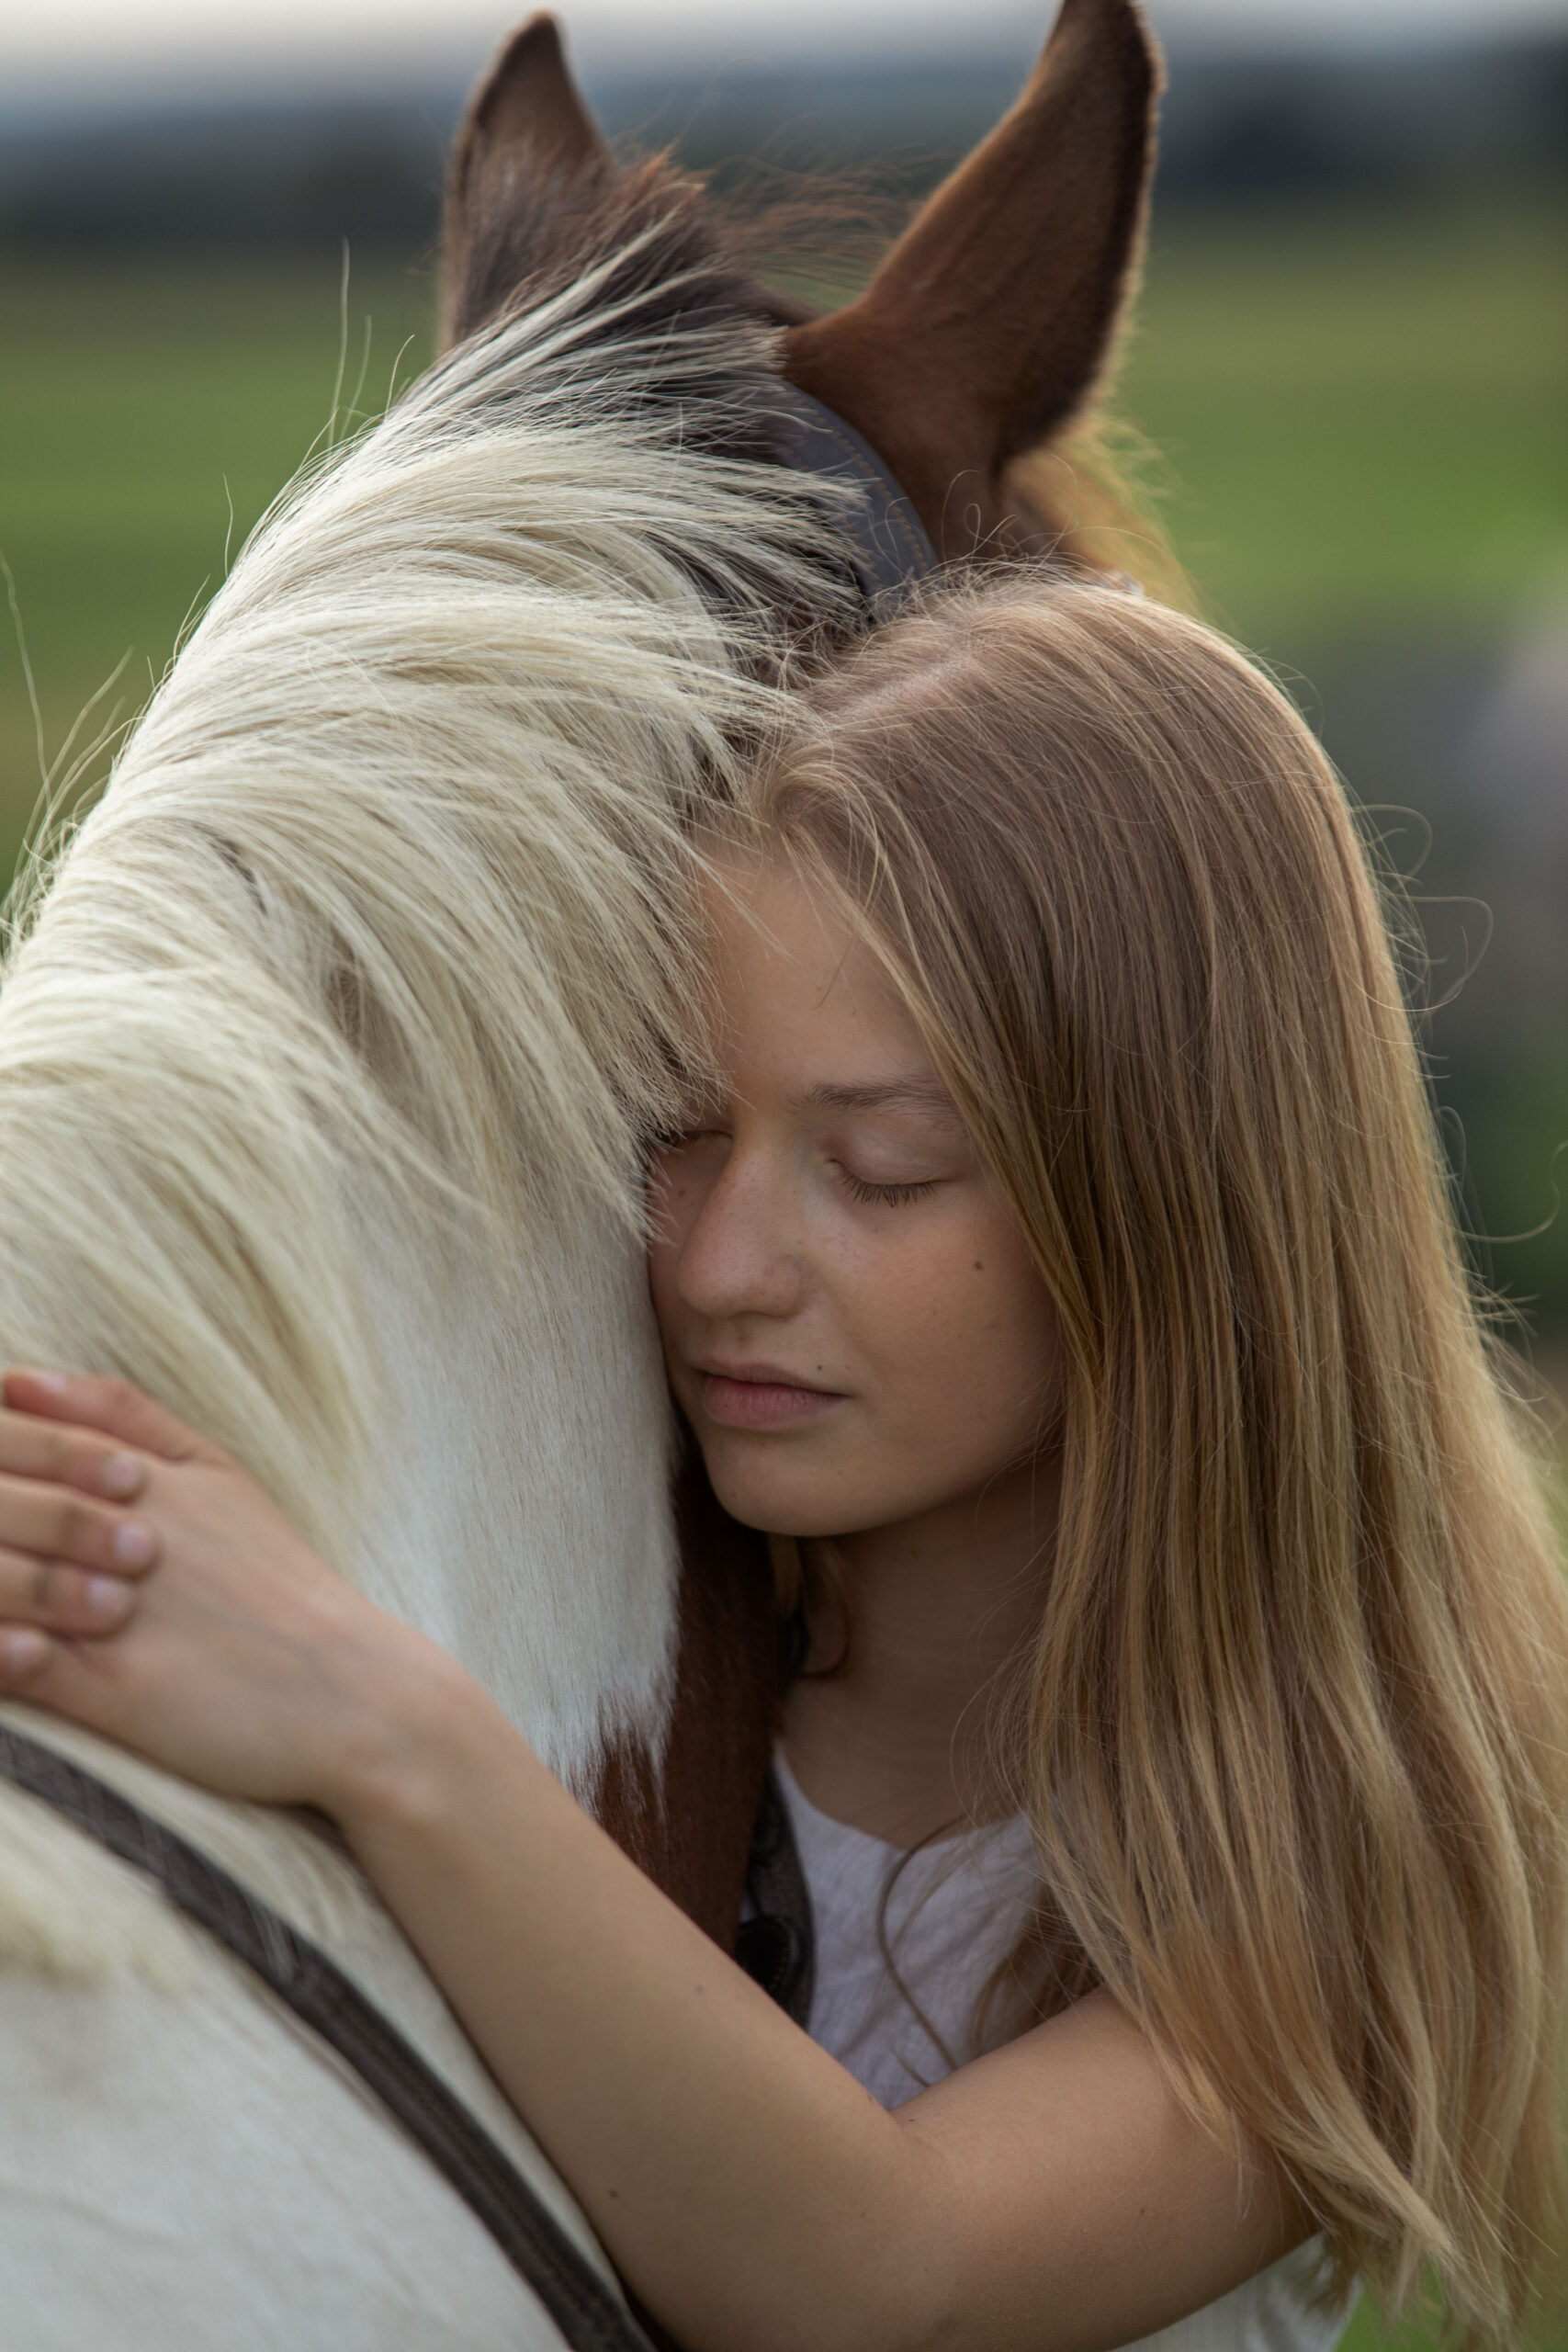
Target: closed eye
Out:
[891,1196]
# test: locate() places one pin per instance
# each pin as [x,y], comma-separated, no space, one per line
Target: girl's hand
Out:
[150,1590]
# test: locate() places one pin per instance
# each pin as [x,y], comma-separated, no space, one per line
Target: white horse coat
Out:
[325,1053]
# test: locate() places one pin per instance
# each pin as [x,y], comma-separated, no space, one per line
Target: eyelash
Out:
[892,1196]
[888,1196]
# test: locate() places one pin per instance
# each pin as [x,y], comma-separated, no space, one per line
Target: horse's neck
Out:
[520,1492]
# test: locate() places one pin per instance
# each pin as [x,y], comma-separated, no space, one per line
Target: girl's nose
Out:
[740,1256]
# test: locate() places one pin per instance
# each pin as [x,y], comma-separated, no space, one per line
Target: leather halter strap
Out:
[888,547]
[587,2313]
[890,551]
[776,1945]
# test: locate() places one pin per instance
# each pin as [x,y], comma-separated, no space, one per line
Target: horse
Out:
[328,1043]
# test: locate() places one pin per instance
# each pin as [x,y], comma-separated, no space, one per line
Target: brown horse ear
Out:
[526,122]
[991,321]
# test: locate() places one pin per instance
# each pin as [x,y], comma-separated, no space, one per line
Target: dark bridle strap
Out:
[318,1992]
[890,551]
[776,1945]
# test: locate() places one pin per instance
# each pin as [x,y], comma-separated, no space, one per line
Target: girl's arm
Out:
[1051,2197]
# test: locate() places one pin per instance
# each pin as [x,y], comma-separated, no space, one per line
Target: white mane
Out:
[326,1045]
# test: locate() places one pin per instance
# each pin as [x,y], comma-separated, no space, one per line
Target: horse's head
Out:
[325,1052]
[968,364]
[979,344]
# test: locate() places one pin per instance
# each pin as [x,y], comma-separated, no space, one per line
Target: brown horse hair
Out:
[758,252]
[1293,1734]
[1100,485]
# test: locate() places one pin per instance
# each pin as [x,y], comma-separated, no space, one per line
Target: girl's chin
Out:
[791,1505]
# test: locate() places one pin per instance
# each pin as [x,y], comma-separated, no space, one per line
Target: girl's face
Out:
[852,1322]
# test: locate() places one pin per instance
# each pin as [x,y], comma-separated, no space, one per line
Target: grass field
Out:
[1362,422]
[138,408]
[1362,417]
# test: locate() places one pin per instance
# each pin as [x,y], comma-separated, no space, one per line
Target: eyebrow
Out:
[892,1093]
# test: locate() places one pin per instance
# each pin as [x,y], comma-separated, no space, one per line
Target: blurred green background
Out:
[1353,371]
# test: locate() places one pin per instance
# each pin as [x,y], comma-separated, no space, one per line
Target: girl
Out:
[1060,1265]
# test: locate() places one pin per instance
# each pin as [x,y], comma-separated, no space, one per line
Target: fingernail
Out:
[121,1475]
[53,1380]
[133,1545]
[22,1652]
[107,1597]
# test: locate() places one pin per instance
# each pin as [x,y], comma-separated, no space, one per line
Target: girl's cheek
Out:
[922,1325]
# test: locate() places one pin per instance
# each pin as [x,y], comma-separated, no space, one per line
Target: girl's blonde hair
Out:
[1293,1733]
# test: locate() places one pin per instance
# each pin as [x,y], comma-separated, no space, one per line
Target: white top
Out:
[953,1911]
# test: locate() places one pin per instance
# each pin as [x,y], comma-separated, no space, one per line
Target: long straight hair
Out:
[1293,1733]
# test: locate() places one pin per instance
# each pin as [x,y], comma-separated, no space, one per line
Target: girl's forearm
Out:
[1053,2196]
[750,2190]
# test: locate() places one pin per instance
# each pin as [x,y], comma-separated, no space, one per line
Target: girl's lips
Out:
[761,1404]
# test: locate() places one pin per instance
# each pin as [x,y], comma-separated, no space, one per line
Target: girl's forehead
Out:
[805,1013]
[784,954]
[763,912]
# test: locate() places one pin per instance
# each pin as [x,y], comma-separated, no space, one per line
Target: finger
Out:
[54,1524]
[115,1407]
[30,1448]
[81,1680]
[84,1680]
[60,1598]
[24,1652]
